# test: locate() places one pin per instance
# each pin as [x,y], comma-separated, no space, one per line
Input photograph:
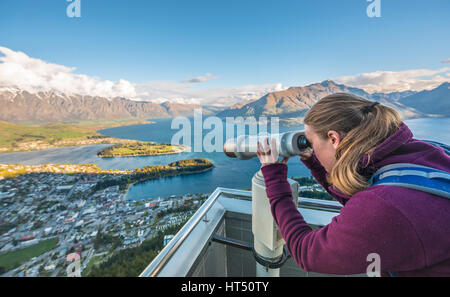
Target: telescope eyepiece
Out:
[303,143]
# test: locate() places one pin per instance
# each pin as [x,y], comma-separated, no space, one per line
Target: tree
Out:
[132,261]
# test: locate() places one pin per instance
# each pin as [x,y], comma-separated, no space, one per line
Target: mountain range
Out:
[292,104]
[289,105]
[22,106]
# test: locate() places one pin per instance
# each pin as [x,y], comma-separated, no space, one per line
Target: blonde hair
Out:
[362,125]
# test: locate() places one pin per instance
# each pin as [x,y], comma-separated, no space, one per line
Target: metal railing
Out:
[326,205]
[158,263]
[155,267]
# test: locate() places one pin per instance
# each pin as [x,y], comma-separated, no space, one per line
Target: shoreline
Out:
[65,143]
[168,176]
[14,170]
[179,149]
[110,141]
[87,129]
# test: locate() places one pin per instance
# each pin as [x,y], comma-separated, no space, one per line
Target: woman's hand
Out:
[269,155]
[305,156]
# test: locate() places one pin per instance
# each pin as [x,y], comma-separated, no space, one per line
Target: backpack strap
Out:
[444,147]
[412,176]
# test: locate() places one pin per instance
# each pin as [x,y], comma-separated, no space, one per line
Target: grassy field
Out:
[14,259]
[15,136]
[12,134]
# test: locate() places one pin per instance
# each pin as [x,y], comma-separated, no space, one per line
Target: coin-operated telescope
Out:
[289,144]
[268,247]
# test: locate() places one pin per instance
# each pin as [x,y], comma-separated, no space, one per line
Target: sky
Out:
[221,51]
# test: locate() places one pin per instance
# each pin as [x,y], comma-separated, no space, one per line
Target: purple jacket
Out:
[409,229]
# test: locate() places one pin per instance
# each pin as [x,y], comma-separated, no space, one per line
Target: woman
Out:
[352,138]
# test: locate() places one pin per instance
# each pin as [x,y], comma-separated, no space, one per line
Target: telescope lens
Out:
[303,143]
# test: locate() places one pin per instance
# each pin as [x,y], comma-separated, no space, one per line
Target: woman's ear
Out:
[334,138]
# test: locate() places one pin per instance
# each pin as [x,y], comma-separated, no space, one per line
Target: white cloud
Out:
[446,61]
[19,70]
[391,81]
[201,79]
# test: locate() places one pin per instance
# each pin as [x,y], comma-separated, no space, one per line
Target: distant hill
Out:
[434,102]
[292,104]
[22,106]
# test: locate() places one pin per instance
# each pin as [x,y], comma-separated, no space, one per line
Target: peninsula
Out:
[32,137]
[137,148]
[148,172]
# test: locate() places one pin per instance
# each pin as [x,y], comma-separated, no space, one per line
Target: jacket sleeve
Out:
[320,174]
[366,225]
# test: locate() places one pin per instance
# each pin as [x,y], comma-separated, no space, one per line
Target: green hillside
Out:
[12,135]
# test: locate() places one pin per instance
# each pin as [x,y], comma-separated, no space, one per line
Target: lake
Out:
[228,173]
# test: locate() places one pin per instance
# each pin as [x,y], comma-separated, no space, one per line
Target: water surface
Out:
[229,173]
